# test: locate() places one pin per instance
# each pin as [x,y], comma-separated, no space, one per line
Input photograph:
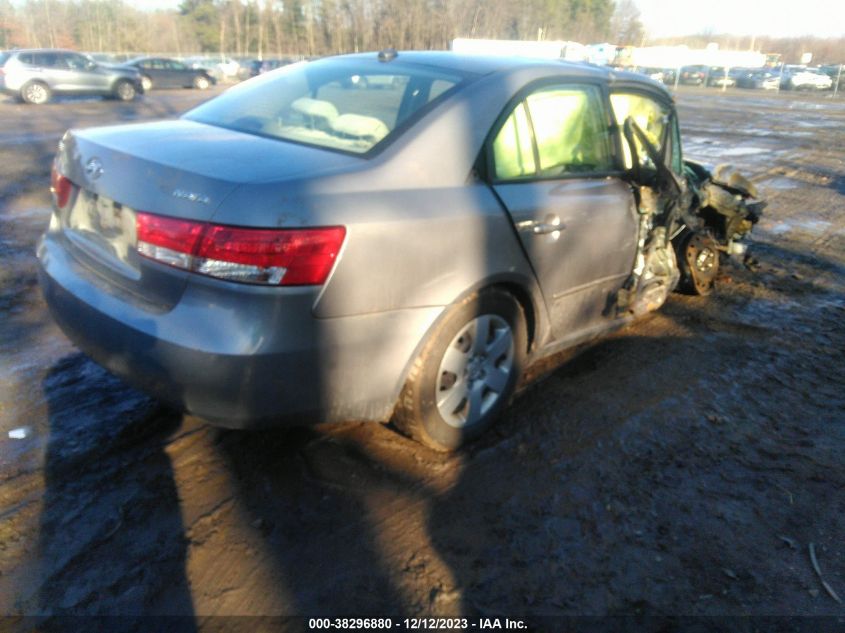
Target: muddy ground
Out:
[682,466]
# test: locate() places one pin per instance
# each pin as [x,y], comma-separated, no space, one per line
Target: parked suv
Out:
[35,75]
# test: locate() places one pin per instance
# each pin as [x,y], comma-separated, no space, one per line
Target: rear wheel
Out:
[146,83]
[125,91]
[466,374]
[36,93]
[201,82]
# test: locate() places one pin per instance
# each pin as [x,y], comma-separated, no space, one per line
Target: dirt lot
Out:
[682,466]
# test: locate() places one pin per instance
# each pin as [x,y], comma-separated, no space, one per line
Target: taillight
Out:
[60,187]
[167,240]
[287,257]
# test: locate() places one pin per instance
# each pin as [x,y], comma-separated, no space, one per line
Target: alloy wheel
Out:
[475,370]
[126,91]
[36,93]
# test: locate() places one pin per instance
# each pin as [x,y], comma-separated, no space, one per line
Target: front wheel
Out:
[201,82]
[698,259]
[125,91]
[466,374]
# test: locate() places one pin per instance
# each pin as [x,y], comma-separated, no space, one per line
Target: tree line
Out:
[302,27]
[276,28]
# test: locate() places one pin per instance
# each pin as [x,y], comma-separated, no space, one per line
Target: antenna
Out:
[387,54]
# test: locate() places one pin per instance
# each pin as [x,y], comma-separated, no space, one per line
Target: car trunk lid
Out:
[179,169]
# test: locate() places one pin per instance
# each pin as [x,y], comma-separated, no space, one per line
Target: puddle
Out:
[744,151]
[815,124]
[781,183]
[816,227]
[20,433]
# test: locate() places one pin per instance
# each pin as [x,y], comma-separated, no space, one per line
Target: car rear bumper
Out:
[250,358]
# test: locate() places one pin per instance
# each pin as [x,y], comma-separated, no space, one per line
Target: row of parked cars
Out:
[786,78]
[219,67]
[36,75]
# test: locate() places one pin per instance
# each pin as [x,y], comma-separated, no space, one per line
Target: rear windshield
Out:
[347,105]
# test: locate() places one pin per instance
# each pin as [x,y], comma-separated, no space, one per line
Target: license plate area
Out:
[106,231]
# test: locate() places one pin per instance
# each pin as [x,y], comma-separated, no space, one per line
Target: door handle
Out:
[551,224]
[544,228]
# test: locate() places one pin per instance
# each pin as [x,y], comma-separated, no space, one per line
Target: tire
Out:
[201,82]
[461,382]
[125,91]
[36,93]
[146,83]
[698,260]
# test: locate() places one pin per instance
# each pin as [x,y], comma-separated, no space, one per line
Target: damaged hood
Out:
[725,201]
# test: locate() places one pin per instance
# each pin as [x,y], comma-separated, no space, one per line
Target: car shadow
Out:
[110,539]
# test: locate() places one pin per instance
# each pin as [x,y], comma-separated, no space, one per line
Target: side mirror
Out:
[91,65]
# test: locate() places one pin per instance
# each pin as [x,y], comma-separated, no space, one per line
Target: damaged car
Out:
[294,252]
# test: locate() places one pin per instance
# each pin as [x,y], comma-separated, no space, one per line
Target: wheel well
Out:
[514,289]
[524,299]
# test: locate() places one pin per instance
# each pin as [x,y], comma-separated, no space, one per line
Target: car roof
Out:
[488,64]
[43,50]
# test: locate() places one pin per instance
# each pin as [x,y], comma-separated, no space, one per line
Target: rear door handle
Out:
[551,224]
[544,228]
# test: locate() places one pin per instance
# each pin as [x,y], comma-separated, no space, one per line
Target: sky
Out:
[780,18]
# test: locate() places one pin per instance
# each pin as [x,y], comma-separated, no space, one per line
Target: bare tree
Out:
[626,26]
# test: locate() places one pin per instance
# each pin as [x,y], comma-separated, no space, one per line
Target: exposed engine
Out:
[686,225]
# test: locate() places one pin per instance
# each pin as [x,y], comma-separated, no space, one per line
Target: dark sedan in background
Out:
[259,66]
[160,72]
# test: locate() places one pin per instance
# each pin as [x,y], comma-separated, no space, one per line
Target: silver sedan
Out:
[374,237]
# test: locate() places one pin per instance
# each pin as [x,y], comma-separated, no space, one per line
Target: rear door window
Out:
[49,60]
[556,131]
[76,62]
[513,149]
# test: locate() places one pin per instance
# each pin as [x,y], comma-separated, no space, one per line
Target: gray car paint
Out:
[597,240]
[423,231]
